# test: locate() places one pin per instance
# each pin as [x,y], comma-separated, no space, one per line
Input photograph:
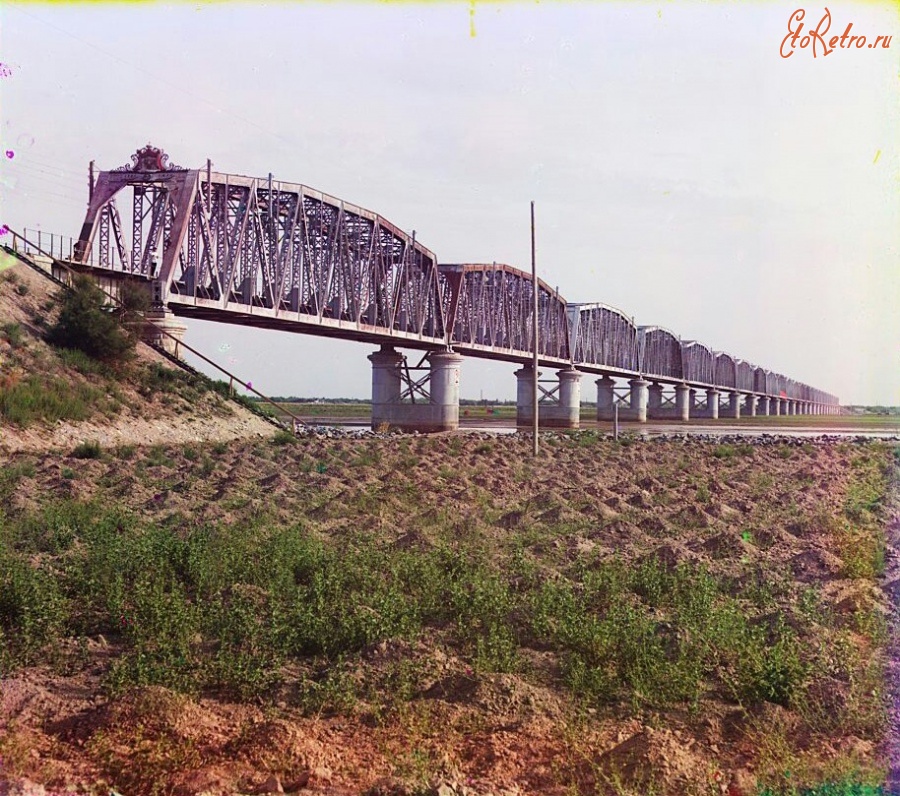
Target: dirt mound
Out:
[661,760]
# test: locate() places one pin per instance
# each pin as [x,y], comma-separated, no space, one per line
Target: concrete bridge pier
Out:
[559,407]
[711,411]
[606,397]
[655,400]
[674,409]
[386,363]
[683,402]
[764,405]
[637,409]
[712,404]
[733,410]
[750,405]
[427,404]
[444,369]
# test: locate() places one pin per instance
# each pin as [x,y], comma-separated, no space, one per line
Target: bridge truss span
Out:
[280,255]
[265,252]
[490,311]
[661,355]
[604,337]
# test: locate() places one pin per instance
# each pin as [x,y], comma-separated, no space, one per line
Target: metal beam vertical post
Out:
[535,417]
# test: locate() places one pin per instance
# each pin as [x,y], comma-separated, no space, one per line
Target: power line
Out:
[176,86]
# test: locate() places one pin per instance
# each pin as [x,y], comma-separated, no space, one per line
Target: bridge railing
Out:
[35,241]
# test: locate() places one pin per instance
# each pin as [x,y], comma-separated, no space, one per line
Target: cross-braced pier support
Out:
[420,398]
[750,403]
[672,407]
[558,407]
[632,406]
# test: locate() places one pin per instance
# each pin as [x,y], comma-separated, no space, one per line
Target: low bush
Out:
[12,333]
[86,322]
[89,449]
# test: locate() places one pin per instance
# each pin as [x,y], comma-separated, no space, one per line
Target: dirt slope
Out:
[126,408]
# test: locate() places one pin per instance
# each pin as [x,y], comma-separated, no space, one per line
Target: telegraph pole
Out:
[534,335]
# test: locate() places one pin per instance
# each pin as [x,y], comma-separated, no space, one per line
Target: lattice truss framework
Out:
[260,247]
[236,242]
[604,335]
[492,308]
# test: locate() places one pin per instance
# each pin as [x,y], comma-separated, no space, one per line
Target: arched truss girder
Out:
[660,353]
[743,373]
[214,241]
[490,307]
[699,362]
[278,254]
[761,380]
[725,372]
[603,336]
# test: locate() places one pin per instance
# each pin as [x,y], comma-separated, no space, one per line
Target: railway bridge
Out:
[279,255]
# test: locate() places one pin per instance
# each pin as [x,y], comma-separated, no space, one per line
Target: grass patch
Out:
[39,398]
[12,333]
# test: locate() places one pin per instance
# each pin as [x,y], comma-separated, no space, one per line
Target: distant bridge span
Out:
[280,255]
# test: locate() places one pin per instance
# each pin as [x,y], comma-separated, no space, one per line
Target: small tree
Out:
[85,322]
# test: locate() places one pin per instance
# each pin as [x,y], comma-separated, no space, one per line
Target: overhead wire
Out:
[178,87]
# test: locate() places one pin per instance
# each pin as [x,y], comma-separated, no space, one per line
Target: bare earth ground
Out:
[481,733]
[415,715]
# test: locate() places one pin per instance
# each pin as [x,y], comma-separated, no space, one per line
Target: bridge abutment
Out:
[161,323]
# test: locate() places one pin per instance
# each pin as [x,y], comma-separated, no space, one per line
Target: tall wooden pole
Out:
[534,335]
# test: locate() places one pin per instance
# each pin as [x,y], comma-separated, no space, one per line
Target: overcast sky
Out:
[683,170]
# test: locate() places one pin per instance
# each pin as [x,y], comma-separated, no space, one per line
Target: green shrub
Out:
[89,449]
[12,333]
[84,364]
[86,323]
[32,611]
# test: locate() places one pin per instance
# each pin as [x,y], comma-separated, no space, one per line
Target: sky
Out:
[683,169]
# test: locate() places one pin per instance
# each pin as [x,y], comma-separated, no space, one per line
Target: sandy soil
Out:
[460,734]
[497,734]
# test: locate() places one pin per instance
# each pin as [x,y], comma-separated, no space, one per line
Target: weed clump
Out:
[89,449]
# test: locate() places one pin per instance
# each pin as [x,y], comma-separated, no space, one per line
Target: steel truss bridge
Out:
[280,255]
